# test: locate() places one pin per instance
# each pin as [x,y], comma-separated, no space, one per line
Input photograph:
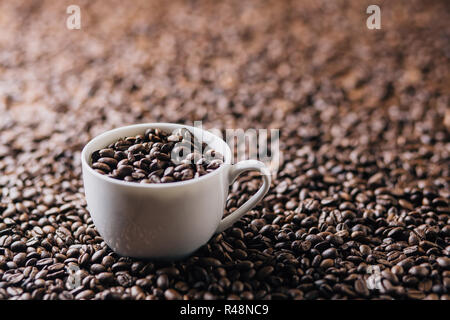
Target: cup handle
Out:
[235,171]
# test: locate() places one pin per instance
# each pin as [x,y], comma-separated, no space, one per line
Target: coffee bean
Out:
[44,262]
[397,270]
[97,268]
[365,250]
[15,279]
[124,279]
[171,271]
[415,294]
[206,261]
[405,204]
[98,255]
[187,174]
[85,295]
[20,258]
[244,265]
[167,179]
[136,148]
[174,138]
[101,166]
[83,259]
[107,261]
[419,271]
[264,272]
[361,288]
[38,294]
[330,253]
[65,296]
[106,277]
[327,263]
[56,267]
[162,156]
[395,233]
[413,239]
[237,286]
[406,263]
[120,266]
[18,246]
[106,153]
[111,162]
[124,170]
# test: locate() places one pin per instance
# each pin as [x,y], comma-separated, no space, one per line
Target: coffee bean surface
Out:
[359,208]
[157,157]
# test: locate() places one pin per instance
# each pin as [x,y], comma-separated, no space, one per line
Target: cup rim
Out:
[104,135]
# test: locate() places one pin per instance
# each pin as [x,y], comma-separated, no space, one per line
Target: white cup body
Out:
[161,221]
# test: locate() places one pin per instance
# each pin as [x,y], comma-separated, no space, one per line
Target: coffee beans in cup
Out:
[157,157]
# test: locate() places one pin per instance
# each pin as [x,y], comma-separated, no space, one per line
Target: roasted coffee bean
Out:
[330,253]
[171,271]
[163,282]
[419,271]
[18,246]
[443,262]
[171,294]
[107,153]
[327,263]
[187,174]
[120,266]
[365,250]
[359,204]
[124,171]
[124,280]
[15,279]
[56,267]
[123,162]
[111,162]
[361,287]
[167,179]
[20,258]
[106,277]
[397,270]
[101,166]
[85,295]
[264,272]
[136,148]
[206,261]
[98,255]
[97,268]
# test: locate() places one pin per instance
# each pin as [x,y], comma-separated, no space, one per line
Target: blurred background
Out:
[230,64]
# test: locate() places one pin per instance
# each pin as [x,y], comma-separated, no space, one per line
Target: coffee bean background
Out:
[360,205]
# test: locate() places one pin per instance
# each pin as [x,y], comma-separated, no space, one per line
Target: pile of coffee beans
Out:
[359,208]
[157,157]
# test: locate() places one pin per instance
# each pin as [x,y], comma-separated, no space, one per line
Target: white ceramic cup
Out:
[166,220]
